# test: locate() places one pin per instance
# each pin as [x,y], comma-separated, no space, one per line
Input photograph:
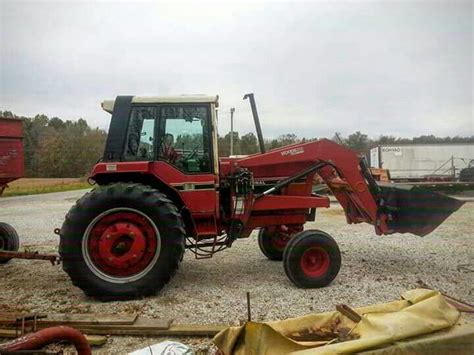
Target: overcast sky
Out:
[398,68]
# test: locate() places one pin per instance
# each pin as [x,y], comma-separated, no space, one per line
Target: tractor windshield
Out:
[177,134]
[184,137]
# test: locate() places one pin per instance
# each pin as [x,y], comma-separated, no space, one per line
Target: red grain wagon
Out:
[11,151]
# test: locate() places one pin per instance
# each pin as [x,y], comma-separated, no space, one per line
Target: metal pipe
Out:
[34,341]
[204,245]
[285,182]
[365,170]
[232,110]
[253,106]
[53,258]
[249,314]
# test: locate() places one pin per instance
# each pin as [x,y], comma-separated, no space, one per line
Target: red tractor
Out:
[162,190]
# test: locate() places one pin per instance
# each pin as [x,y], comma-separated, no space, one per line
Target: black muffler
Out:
[412,209]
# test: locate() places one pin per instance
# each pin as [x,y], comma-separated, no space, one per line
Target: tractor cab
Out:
[180,130]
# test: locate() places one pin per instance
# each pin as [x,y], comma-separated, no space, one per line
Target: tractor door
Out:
[186,160]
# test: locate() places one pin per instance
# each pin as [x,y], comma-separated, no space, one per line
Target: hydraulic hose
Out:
[35,341]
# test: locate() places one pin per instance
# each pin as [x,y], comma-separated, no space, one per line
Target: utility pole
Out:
[453,167]
[232,110]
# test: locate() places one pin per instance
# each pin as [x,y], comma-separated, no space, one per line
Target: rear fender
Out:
[153,181]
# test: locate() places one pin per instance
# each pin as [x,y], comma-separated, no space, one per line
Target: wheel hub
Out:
[279,241]
[122,244]
[315,262]
[279,237]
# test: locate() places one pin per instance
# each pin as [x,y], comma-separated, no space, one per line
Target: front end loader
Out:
[161,190]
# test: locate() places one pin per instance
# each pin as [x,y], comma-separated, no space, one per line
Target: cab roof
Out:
[108,105]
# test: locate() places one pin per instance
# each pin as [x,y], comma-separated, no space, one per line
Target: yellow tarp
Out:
[383,327]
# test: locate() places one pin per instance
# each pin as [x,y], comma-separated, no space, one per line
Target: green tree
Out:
[57,148]
[224,145]
[358,141]
[248,144]
[287,139]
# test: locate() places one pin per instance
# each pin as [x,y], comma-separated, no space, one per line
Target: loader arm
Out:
[349,179]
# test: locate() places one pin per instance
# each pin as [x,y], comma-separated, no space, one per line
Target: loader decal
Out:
[294,151]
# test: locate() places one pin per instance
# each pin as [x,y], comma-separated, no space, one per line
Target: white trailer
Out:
[421,161]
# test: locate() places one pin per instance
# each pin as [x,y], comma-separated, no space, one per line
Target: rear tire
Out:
[312,259]
[9,240]
[122,241]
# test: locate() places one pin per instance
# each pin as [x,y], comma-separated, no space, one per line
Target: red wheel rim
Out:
[122,244]
[279,241]
[315,262]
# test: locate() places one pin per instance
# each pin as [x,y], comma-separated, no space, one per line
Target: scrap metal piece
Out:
[22,321]
[53,258]
[249,314]
[460,305]
[349,312]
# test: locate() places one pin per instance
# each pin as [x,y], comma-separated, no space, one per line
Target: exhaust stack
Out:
[253,106]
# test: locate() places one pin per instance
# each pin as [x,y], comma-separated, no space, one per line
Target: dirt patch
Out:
[332,212]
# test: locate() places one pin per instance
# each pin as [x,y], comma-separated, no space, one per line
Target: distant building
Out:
[419,161]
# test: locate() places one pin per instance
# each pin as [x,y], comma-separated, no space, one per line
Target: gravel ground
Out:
[375,269]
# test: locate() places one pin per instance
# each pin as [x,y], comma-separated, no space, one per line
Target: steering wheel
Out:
[193,153]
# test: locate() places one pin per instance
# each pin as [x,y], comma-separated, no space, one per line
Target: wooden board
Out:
[141,324]
[174,330]
[113,324]
[148,327]
[138,327]
[73,319]
[78,319]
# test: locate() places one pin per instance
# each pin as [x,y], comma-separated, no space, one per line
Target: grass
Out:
[332,211]
[41,186]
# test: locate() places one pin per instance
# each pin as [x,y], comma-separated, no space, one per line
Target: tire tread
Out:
[150,198]
[11,237]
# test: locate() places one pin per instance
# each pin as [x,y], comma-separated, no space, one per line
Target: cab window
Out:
[185,137]
[140,139]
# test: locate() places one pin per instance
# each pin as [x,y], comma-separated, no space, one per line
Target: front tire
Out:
[122,241]
[312,259]
[9,240]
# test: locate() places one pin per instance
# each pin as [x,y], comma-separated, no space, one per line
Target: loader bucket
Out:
[416,210]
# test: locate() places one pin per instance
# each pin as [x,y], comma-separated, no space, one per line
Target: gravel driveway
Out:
[375,269]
